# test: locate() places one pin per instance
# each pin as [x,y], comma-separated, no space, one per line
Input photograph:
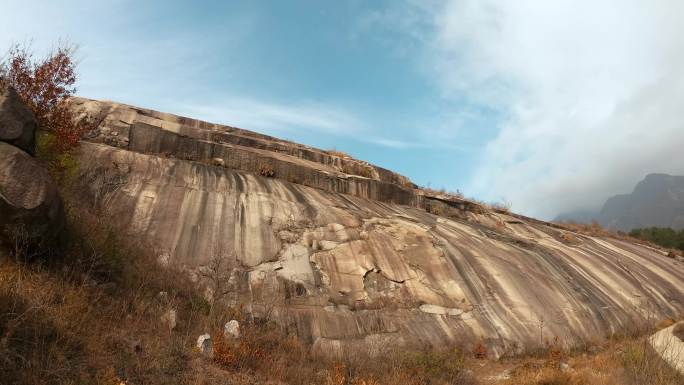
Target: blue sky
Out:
[552,106]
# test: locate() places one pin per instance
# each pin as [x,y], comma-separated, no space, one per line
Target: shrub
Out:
[451,195]
[480,350]
[446,365]
[357,168]
[504,206]
[339,154]
[665,237]
[644,366]
[266,350]
[73,318]
[266,171]
[593,229]
[45,86]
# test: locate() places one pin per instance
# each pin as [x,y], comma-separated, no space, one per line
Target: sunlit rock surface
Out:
[354,256]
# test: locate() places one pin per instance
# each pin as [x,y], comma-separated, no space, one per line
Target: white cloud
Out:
[275,118]
[591,92]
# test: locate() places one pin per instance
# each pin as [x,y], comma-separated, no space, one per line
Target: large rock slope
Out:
[354,256]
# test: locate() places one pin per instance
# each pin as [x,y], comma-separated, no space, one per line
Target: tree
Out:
[216,275]
[665,237]
[45,86]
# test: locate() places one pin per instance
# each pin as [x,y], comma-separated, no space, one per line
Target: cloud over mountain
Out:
[590,94]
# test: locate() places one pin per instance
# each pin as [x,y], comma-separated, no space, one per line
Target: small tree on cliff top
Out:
[45,85]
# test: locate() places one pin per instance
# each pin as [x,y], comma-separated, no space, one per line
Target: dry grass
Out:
[90,314]
[357,168]
[456,195]
[267,353]
[629,361]
[595,229]
[339,154]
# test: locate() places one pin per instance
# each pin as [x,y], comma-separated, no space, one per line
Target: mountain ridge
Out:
[656,201]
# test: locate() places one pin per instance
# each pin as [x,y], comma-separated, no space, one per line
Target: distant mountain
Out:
[658,201]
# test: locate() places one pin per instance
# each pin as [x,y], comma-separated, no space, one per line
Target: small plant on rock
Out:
[266,171]
[480,350]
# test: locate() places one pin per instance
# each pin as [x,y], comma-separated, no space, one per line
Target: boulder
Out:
[169,319]
[204,344]
[231,329]
[669,346]
[29,202]
[17,123]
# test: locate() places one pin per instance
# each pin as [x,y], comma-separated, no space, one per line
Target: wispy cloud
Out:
[397,144]
[302,118]
[276,118]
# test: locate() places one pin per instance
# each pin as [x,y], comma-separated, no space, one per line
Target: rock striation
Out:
[353,256]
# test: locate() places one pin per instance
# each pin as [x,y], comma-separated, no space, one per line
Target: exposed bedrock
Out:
[349,271]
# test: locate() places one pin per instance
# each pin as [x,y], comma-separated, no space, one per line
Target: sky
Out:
[550,105]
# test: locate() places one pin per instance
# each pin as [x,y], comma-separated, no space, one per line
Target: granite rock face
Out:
[353,256]
[17,124]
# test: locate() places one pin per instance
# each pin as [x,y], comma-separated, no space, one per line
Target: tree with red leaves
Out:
[45,86]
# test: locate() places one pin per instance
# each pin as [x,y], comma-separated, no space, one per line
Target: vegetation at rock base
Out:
[91,312]
[665,237]
[92,316]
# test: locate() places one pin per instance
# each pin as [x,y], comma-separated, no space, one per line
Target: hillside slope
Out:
[348,254]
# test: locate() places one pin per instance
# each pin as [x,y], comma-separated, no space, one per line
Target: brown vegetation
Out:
[629,361]
[266,170]
[595,229]
[357,168]
[338,154]
[89,313]
[45,86]
[267,352]
[456,195]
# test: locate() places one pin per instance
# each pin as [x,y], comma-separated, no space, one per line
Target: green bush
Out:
[665,237]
